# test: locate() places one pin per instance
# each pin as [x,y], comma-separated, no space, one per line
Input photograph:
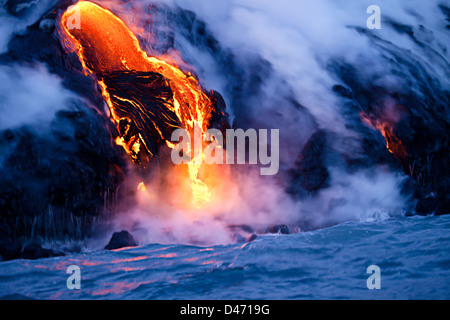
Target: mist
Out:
[30,96]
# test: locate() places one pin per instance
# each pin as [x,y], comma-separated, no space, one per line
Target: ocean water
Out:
[412,253]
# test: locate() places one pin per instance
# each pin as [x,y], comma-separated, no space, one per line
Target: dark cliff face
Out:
[419,108]
[73,179]
[416,112]
[62,181]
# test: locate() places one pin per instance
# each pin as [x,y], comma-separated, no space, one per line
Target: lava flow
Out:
[148,98]
[386,127]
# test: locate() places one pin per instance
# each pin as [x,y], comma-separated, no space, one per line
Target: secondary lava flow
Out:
[386,127]
[148,98]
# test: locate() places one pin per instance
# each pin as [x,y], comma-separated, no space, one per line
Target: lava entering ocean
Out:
[148,97]
[361,114]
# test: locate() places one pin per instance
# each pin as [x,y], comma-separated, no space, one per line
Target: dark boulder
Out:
[120,240]
[280,229]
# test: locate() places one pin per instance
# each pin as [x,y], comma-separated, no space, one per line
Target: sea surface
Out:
[413,254]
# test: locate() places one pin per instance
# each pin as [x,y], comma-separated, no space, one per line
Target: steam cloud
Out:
[30,96]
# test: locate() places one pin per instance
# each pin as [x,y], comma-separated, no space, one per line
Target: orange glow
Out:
[393,144]
[142,187]
[105,45]
[167,255]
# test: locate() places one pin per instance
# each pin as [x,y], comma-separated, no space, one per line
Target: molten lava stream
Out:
[148,97]
[386,128]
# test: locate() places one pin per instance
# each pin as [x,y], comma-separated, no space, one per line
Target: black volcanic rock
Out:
[62,182]
[41,44]
[281,229]
[19,8]
[121,239]
[310,172]
[343,92]
[33,251]
[219,118]
[10,250]
[252,238]
[438,205]
[417,110]
[54,184]
[444,204]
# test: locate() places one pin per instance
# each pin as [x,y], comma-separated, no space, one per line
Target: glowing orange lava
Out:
[393,144]
[105,45]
